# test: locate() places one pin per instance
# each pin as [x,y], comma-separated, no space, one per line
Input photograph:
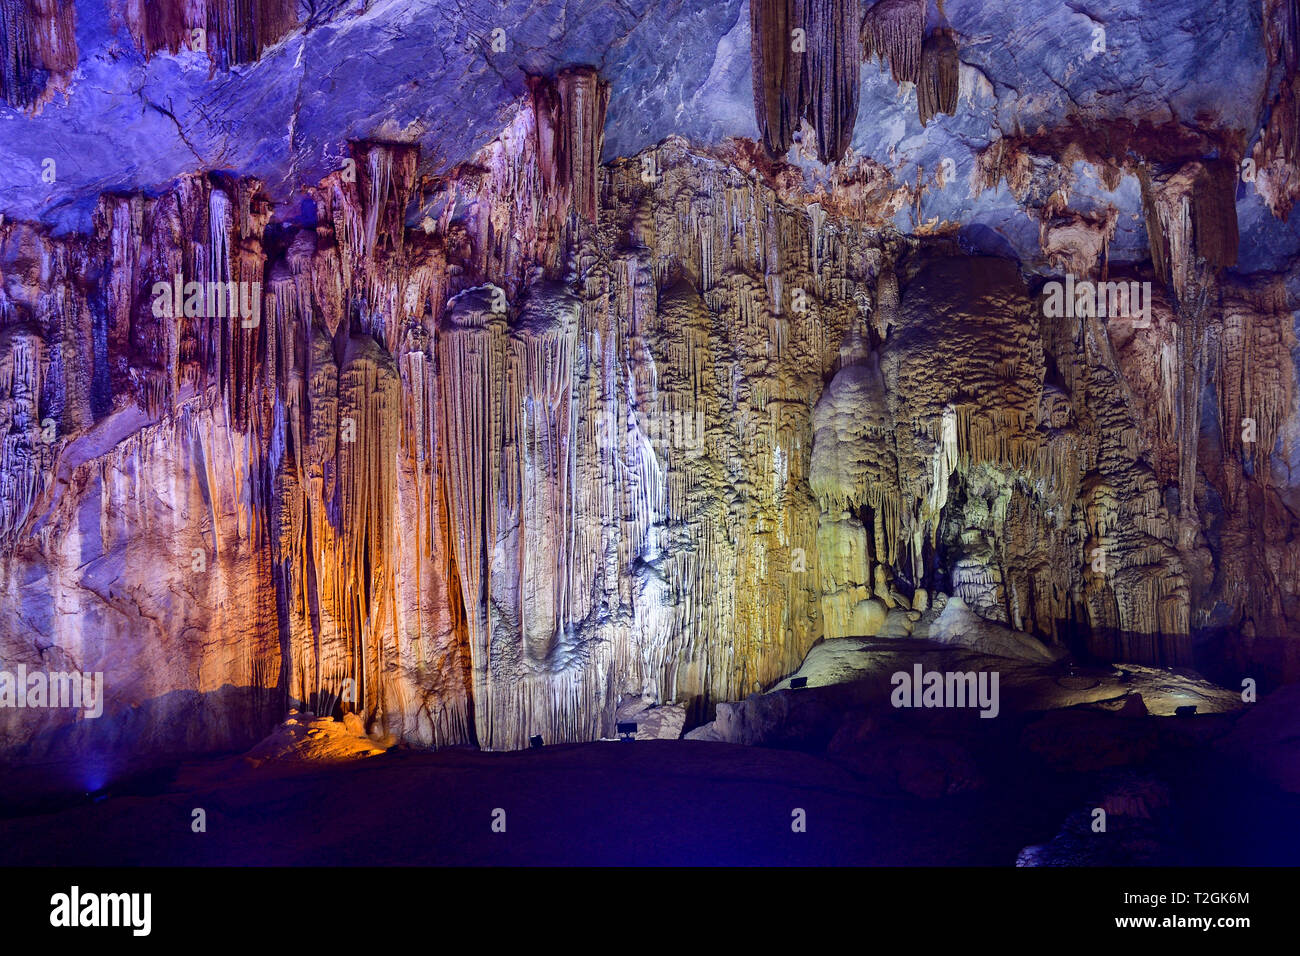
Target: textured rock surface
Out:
[304,737]
[568,377]
[653,721]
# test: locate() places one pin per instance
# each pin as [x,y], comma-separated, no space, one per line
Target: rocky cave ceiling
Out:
[1194,74]
[622,349]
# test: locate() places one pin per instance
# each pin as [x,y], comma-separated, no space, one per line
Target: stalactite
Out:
[568,132]
[120,226]
[243,29]
[893,29]
[1191,218]
[1192,363]
[1078,243]
[937,82]
[1276,156]
[541,361]
[385,181]
[470,357]
[1004,160]
[1157,231]
[1254,377]
[23,466]
[833,74]
[780,87]
[806,56]
[369,392]
[1192,229]
[999,480]
[233,31]
[584,97]
[1214,213]
[161,24]
[1123,519]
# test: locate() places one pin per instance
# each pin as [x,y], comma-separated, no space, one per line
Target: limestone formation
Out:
[937,77]
[892,30]
[229,31]
[481,446]
[806,60]
[38,49]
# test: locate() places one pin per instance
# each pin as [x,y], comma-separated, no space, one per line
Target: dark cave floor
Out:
[648,803]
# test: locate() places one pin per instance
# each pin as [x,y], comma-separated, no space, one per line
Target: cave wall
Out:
[475,480]
[585,432]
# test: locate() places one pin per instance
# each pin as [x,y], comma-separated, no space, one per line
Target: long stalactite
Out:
[806,60]
[780,88]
